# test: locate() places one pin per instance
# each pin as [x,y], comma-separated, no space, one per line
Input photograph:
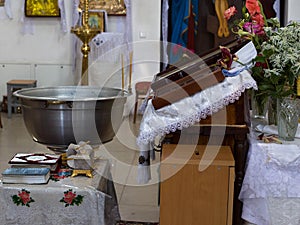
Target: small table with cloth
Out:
[72,200]
[271,188]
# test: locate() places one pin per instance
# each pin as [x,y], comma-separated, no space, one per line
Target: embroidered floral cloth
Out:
[77,200]
[271,188]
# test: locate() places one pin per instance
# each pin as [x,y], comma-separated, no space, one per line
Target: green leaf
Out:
[260,58]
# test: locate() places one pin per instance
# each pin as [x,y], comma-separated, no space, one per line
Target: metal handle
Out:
[58,102]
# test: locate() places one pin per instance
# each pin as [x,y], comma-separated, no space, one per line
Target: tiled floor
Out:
[136,202]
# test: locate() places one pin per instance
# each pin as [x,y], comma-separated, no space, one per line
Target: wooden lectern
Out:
[236,125]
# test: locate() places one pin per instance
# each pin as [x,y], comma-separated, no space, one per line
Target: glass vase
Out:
[259,108]
[272,111]
[288,115]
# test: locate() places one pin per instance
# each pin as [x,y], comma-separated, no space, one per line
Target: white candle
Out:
[130,69]
[123,81]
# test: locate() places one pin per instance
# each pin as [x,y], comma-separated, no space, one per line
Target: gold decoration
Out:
[87,173]
[96,20]
[85,33]
[43,8]
[220,7]
[2,3]
[298,86]
[112,7]
[130,71]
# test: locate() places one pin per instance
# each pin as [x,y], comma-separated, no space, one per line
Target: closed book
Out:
[19,175]
[52,168]
[36,160]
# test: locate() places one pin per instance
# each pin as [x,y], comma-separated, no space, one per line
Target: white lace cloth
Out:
[99,205]
[272,129]
[107,47]
[190,110]
[271,187]
[187,112]
[5,12]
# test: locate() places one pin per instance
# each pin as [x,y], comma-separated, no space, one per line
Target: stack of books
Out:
[31,168]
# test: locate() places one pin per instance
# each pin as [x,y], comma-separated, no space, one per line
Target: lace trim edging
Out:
[195,118]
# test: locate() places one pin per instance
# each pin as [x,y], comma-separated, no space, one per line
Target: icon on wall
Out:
[112,7]
[2,2]
[42,8]
[96,20]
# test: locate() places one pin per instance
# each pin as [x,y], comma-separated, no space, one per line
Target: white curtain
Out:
[28,27]
[5,11]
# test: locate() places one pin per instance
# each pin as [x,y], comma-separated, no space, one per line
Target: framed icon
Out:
[42,8]
[2,2]
[97,20]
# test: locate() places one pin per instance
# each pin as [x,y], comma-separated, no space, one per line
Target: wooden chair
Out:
[141,89]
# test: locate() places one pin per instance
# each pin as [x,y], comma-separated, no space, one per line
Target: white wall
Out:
[44,55]
[292,10]
[47,54]
[48,44]
[146,37]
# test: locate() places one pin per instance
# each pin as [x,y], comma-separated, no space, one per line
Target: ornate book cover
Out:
[36,160]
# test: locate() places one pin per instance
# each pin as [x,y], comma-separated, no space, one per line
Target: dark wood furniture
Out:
[234,130]
[228,127]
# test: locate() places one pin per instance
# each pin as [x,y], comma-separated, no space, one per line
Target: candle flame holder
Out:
[85,33]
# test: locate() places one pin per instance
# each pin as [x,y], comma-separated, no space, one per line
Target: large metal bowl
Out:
[58,116]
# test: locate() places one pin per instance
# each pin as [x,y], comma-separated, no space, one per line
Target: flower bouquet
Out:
[251,27]
[277,65]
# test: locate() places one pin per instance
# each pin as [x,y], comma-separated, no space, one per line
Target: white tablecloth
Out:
[271,186]
[48,204]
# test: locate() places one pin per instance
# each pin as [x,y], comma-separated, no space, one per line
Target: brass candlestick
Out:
[85,33]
